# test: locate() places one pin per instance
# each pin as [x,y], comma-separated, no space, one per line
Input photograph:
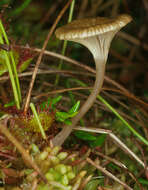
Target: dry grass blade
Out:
[41,55]
[85,181]
[121,165]
[116,140]
[85,67]
[64,72]
[110,175]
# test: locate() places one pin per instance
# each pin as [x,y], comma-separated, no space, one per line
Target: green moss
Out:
[32,125]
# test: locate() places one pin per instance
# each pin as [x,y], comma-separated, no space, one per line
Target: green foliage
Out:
[143,181]
[50,102]
[9,104]
[85,136]
[94,141]
[3,2]
[57,169]
[114,167]
[65,116]
[24,65]
[19,9]
[10,64]
[116,113]
[119,126]
[74,109]
[44,118]
[21,67]
[55,101]
[71,95]
[37,120]
[123,120]
[99,141]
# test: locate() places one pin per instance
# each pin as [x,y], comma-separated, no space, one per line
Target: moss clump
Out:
[58,169]
[31,124]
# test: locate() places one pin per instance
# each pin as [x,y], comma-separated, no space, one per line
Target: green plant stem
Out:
[123,120]
[38,120]
[13,61]
[20,8]
[65,41]
[116,113]
[11,76]
[16,76]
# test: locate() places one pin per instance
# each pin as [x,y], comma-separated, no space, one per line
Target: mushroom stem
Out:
[100,69]
[96,35]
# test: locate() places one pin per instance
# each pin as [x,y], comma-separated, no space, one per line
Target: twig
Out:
[121,165]
[103,170]
[41,55]
[50,71]
[107,79]
[62,91]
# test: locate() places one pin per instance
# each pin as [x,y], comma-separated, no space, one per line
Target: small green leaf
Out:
[85,136]
[24,65]
[62,115]
[67,122]
[35,148]
[99,141]
[12,103]
[55,100]
[75,108]
[43,106]
[143,181]
[114,167]
[72,115]
[48,101]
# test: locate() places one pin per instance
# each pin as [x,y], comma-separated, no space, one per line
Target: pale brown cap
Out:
[85,28]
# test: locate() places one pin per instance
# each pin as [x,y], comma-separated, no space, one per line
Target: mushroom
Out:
[96,34]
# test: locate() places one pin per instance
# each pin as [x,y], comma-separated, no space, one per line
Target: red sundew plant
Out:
[23,58]
[46,120]
[28,121]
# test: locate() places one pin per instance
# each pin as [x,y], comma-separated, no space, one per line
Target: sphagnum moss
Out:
[58,170]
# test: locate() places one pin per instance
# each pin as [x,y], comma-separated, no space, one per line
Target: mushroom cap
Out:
[84,28]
